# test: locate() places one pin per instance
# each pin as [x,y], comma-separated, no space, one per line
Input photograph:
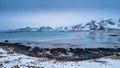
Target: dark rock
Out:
[55,53]
[16,44]
[36,49]
[113,35]
[1,44]
[62,50]
[41,50]
[28,43]
[46,49]
[58,50]
[6,41]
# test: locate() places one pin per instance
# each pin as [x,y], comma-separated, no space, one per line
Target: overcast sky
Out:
[21,13]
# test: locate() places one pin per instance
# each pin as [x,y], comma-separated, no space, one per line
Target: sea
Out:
[64,39]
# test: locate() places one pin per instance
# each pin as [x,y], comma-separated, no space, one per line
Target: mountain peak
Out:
[92,25]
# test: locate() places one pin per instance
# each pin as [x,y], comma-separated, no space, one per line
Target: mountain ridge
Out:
[103,24]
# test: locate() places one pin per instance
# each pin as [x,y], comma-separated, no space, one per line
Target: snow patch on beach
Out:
[8,60]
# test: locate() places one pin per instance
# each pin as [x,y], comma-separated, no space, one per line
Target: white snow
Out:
[11,60]
[2,51]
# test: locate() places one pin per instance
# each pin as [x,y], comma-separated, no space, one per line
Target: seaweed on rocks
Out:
[70,54]
[58,50]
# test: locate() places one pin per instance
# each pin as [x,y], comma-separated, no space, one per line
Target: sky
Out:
[55,13]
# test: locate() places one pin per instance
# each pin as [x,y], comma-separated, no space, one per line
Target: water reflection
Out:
[92,35]
[118,39]
[68,39]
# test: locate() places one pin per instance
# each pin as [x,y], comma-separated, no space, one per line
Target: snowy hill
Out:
[43,28]
[108,24]
[103,24]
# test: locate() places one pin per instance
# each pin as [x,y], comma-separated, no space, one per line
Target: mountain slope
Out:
[108,24]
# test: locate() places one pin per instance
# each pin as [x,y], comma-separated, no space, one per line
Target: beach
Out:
[65,49]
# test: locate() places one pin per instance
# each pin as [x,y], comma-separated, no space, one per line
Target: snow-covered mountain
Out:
[103,24]
[98,25]
[30,29]
[43,28]
[27,29]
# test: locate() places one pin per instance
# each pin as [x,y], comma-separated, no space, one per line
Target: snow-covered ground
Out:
[10,59]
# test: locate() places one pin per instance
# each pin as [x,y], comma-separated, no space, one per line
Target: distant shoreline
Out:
[109,31]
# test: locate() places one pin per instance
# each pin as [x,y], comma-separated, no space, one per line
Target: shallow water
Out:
[64,39]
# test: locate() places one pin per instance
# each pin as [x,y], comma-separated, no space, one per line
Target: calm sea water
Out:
[64,39]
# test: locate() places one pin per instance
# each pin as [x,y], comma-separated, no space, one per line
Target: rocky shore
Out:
[69,54]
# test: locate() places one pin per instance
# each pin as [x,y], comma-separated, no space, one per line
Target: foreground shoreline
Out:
[62,54]
[9,59]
